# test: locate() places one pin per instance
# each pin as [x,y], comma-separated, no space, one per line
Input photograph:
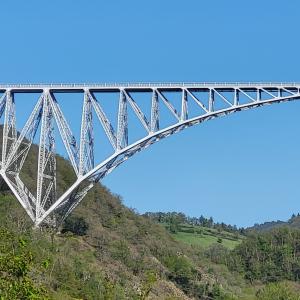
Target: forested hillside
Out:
[107,251]
[104,251]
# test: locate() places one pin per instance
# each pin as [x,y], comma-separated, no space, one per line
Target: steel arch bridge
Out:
[196,103]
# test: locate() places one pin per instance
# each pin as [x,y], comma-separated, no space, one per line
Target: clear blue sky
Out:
[240,169]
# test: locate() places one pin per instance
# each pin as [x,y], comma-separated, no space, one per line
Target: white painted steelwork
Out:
[199,102]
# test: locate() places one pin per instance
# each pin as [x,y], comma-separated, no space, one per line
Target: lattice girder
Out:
[199,102]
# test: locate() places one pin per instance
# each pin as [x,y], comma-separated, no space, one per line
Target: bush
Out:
[180,269]
[15,267]
[120,251]
[277,291]
[76,225]
[217,253]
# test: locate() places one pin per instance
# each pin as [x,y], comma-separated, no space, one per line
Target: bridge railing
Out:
[144,84]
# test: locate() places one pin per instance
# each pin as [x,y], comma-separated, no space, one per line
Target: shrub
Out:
[76,225]
[15,267]
[277,291]
[180,269]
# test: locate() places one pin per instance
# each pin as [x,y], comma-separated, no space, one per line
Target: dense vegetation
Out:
[111,254]
[268,257]
[15,265]
[107,251]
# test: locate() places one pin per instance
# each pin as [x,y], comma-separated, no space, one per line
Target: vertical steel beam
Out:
[154,112]
[184,107]
[211,100]
[236,97]
[86,153]
[9,129]
[122,134]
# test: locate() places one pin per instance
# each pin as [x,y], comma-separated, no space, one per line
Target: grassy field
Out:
[202,236]
[203,240]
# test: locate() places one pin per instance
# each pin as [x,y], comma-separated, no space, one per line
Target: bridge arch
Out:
[45,204]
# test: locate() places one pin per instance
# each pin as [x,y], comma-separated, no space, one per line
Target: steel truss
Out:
[199,102]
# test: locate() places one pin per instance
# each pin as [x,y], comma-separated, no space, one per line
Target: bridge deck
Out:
[140,86]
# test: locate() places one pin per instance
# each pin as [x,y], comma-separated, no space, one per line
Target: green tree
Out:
[15,265]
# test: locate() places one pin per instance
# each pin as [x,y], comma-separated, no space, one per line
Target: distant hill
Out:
[293,222]
[266,226]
